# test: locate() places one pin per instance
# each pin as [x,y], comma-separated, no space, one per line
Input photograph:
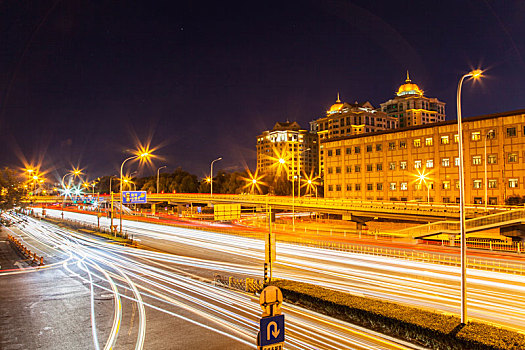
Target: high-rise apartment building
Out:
[287,147]
[410,107]
[421,162]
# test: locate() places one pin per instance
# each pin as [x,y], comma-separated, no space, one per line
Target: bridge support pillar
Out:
[153,208]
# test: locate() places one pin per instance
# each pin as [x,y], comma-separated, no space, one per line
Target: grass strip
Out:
[429,329]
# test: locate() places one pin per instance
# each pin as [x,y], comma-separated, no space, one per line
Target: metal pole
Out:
[462,208]
[120,189]
[486,184]
[293,186]
[211,175]
[158,173]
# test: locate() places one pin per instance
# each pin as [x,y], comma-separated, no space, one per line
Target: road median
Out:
[422,327]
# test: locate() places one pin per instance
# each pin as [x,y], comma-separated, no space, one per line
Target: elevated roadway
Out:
[350,209]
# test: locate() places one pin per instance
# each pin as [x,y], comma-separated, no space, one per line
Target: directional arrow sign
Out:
[271,330]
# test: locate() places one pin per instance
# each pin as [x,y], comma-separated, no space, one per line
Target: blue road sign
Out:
[271,330]
[130,197]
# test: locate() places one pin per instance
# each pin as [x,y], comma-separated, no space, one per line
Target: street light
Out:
[158,173]
[299,171]
[473,74]
[423,177]
[211,175]
[144,154]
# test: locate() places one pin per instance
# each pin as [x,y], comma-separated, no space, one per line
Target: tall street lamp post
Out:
[474,74]
[211,175]
[158,174]
[299,171]
[139,156]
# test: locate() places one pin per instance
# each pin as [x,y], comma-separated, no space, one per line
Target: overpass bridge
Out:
[350,209]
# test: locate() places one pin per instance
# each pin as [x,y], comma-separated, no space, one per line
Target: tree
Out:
[11,190]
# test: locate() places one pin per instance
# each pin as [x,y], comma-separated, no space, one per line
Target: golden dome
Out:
[408,88]
[337,106]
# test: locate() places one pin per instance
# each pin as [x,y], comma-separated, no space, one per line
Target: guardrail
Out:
[24,251]
[250,285]
[432,258]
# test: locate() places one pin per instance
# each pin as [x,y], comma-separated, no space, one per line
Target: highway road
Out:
[492,296]
[165,301]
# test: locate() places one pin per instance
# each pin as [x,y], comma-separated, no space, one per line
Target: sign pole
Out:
[111,212]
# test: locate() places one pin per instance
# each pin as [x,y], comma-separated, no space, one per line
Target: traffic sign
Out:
[271,300]
[271,330]
[129,197]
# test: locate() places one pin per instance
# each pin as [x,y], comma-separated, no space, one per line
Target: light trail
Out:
[493,296]
[148,275]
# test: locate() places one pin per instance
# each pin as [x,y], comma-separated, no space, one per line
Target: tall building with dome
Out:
[410,107]
[346,119]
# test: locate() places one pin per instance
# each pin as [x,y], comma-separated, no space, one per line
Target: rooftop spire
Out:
[338,100]
[408,78]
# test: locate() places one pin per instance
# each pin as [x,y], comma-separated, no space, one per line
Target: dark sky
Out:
[82,81]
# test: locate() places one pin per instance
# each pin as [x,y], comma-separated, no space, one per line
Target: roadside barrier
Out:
[26,252]
[250,285]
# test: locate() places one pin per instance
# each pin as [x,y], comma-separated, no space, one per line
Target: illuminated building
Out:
[417,162]
[287,142]
[410,107]
[345,119]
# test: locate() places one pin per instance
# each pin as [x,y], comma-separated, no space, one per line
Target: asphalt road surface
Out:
[94,294]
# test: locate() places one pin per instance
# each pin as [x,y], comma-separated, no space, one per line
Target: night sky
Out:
[82,81]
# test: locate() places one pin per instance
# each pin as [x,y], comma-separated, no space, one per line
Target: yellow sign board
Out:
[226,212]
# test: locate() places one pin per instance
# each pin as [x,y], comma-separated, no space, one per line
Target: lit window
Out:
[456,161]
[392,166]
[492,159]
[429,141]
[402,144]
[446,185]
[445,162]
[445,140]
[477,183]
[512,158]
[430,163]
[476,160]
[392,186]
[418,186]
[493,183]
[403,165]
[404,186]
[491,134]
[417,143]
[456,138]
[475,135]
[417,164]
[513,183]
